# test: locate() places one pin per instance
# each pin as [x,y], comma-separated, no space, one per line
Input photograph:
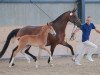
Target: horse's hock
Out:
[4,31]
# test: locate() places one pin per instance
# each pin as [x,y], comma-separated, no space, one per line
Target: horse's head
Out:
[73,18]
[51,29]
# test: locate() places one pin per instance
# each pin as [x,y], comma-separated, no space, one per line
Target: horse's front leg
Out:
[52,51]
[49,52]
[69,46]
[39,53]
[38,57]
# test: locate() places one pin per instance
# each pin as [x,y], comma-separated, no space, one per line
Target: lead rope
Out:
[72,34]
[41,10]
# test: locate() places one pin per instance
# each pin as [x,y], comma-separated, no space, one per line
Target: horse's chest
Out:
[61,38]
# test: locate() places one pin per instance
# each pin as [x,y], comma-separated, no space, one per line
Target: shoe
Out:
[77,63]
[89,58]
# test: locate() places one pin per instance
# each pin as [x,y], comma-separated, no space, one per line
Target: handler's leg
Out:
[92,51]
[80,55]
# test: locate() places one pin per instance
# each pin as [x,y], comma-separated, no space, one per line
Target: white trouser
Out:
[82,51]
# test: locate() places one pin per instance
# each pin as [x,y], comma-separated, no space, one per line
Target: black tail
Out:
[10,36]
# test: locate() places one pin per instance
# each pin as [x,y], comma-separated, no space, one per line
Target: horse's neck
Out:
[43,34]
[60,26]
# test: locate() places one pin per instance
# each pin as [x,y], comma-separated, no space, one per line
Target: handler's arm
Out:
[76,30]
[98,31]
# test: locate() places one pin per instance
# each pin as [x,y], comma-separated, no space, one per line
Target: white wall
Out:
[92,9]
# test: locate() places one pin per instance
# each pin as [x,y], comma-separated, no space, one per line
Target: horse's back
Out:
[29,30]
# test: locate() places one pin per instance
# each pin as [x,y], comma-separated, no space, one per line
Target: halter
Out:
[72,34]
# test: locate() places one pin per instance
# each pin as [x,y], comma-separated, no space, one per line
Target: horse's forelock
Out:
[74,10]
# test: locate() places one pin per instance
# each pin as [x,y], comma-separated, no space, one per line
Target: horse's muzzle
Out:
[54,34]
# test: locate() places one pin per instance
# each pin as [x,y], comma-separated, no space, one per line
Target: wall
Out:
[14,15]
[29,14]
[92,9]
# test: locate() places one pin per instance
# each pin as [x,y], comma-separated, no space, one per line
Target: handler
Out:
[86,30]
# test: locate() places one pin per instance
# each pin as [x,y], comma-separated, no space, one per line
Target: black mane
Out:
[59,17]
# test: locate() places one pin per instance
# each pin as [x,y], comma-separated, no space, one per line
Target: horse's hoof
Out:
[48,61]
[13,64]
[73,59]
[51,65]
[10,66]
[29,61]
[36,64]
[35,59]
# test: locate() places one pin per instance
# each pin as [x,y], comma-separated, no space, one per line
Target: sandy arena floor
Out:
[63,66]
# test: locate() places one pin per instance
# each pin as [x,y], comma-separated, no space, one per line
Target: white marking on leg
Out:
[39,53]
[11,62]
[25,55]
[28,59]
[51,58]
[36,65]
[49,52]
[51,63]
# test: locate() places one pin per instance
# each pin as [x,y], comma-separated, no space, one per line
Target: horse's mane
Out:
[59,17]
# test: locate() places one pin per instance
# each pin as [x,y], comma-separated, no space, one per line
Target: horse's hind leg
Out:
[27,52]
[12,55]
[25,55]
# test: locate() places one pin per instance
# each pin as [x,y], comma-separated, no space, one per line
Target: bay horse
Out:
[39,40]
[59,26]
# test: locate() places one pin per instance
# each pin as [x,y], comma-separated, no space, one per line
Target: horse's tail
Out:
[9,37]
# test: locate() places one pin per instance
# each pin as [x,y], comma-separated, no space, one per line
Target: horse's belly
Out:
[33,44]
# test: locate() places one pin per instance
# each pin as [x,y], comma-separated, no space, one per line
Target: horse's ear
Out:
[43,28]
[49,24]
[74,10]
